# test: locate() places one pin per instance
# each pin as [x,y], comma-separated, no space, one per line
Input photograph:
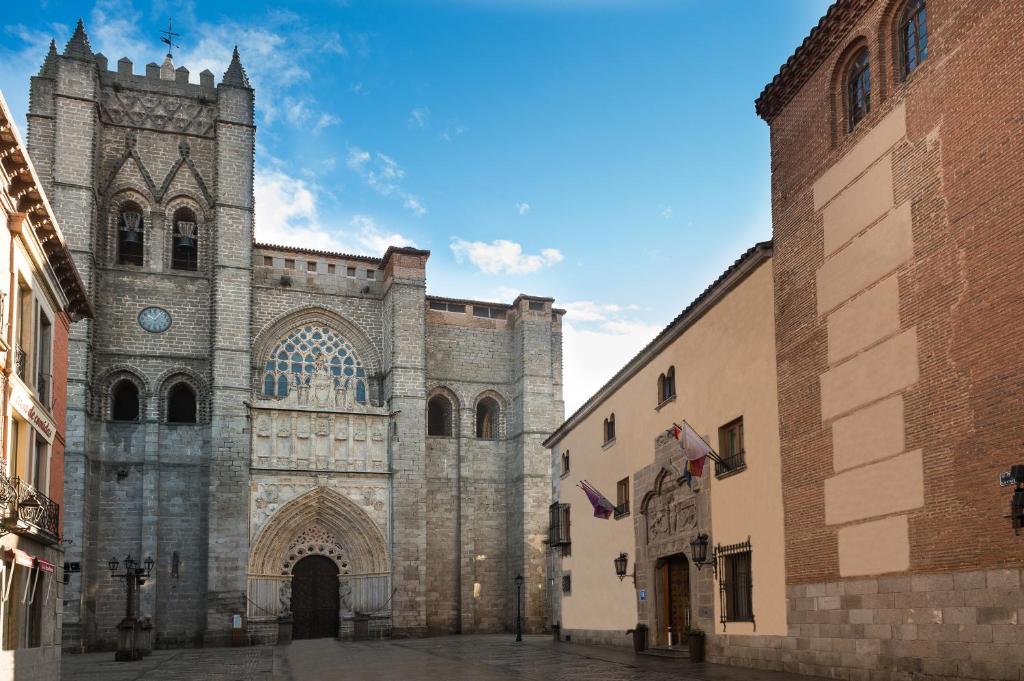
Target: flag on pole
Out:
[602,507]
[694,449]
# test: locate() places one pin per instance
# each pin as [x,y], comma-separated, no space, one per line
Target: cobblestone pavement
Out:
[450,658]
[492,658]
[192,664]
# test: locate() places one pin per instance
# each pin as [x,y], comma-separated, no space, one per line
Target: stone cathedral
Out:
[305,442]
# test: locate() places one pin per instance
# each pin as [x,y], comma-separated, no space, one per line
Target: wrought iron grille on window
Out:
[735,582]
[558,529]
[566,584]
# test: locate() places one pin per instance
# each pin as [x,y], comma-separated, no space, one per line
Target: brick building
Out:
[898,221]
[303,441]
[41,294]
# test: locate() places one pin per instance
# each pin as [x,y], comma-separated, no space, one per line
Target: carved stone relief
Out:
[150,110]
[668,516]
[306,440]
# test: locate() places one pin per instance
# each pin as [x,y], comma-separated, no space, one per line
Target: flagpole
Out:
[713,455]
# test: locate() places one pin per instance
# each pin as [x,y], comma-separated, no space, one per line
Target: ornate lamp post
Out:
[519,609]
[699,551]
[129,631]
[620,567]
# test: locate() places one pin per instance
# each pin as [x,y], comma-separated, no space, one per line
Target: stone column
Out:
[405,392]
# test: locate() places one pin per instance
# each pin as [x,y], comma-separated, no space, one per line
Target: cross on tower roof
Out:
[168,37]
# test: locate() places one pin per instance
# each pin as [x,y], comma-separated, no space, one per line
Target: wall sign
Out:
[643,594]
[26,406]
[1006,479]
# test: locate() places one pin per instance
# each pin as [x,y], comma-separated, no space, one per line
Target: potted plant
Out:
[695,642]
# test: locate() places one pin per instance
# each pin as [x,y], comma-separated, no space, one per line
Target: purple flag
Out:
[602,507]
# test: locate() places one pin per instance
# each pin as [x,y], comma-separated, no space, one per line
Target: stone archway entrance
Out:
[672,594]
[315,602]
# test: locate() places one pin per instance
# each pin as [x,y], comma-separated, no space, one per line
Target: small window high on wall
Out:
[858,89]
[124,405]
[487,418]
[185,249]
[439,416]
[181,404]
[913,32]
[131,235]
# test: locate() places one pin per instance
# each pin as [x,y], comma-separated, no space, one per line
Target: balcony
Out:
[28,512]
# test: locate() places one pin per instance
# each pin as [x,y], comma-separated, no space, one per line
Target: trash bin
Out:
[639,638]
[556,631]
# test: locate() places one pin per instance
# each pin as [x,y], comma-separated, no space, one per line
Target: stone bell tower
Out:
[151,177]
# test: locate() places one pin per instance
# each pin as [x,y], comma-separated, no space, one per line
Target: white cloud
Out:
[593,353]
[358,89]
[383,174]
[451,131]
[325,120]
[589,311]
[665,212]
[503,257]
[287,214]
[522,208]
[418,118]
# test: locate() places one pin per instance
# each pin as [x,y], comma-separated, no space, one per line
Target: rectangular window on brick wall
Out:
[735,582]
[567,583]
[731,448]
[565,463]
[489,312]
[351,271]
[536,306]
[331,267]
[268,261]
[289,264]
[311,267]
[371,274]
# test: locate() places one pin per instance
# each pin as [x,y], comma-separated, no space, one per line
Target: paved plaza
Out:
[452,658]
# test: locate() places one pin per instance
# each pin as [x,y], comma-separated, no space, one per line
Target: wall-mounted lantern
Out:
[621,563]
[699,551]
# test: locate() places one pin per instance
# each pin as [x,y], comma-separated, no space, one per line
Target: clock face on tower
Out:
[155,319]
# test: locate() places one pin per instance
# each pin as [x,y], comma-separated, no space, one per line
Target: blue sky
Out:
[602,152]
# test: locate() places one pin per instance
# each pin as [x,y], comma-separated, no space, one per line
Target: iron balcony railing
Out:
[27,511]
[732,463]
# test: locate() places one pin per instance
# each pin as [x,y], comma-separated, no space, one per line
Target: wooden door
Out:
[315,602]
[679,599]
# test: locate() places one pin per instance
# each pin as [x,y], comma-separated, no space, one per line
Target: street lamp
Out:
[519,609]
[620,567]
[129,631]
[699,550]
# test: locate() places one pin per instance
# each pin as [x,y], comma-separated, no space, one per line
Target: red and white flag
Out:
[694,448]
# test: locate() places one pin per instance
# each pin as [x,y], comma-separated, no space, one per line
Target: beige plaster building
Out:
[713,366]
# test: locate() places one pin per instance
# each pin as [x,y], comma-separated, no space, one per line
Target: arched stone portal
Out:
[324,525]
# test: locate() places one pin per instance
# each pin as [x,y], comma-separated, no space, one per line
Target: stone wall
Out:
[936,627]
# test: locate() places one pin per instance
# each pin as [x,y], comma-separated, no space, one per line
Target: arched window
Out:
[313,349]
[609,429]
[487,418]
[858,89]
[439,416]
[131,235]
[913,35]
[667,385]
[181,404]
[185,245]
[124,404]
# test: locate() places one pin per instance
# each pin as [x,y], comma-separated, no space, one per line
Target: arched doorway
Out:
[673,590]
[315,603]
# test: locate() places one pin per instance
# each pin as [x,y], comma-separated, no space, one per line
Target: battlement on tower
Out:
[158,78]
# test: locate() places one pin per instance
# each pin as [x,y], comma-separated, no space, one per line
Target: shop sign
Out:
[27,407]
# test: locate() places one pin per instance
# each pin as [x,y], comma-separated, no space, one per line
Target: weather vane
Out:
[168,38]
